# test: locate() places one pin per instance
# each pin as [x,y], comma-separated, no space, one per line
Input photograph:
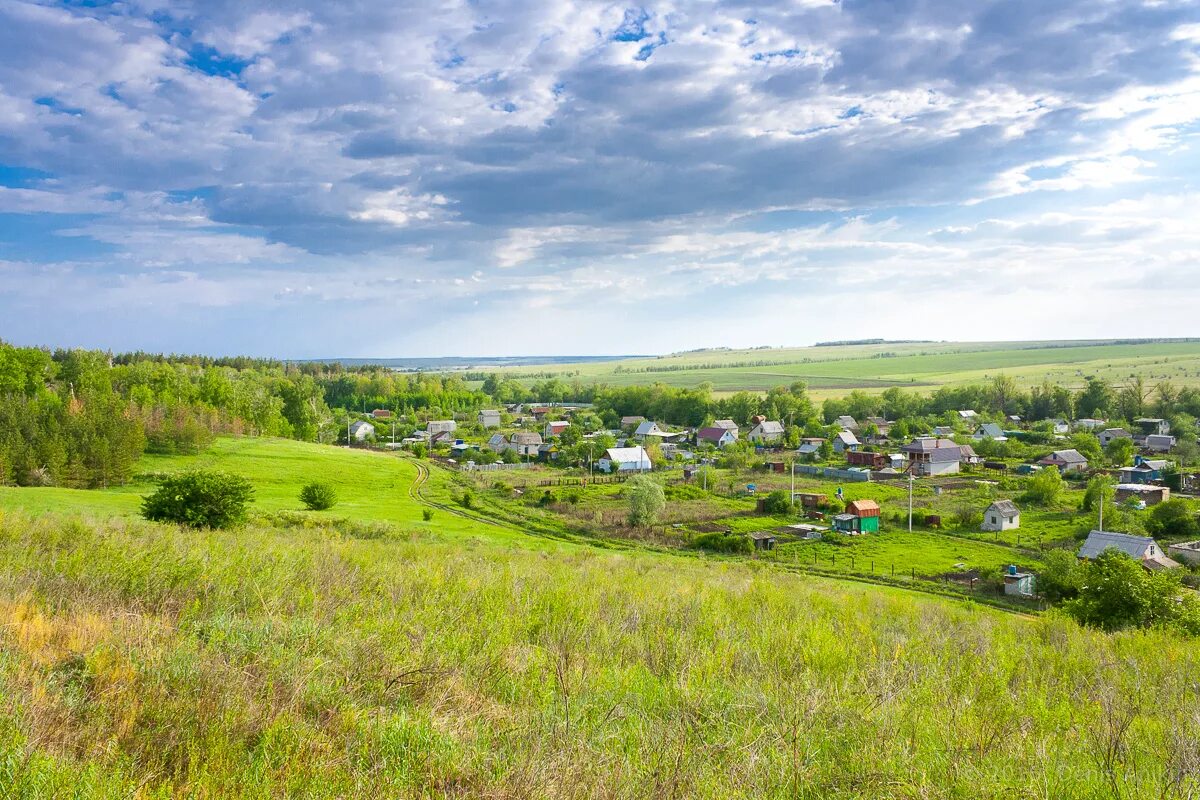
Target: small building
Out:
[361,431]
[1066,461]
[865,459]
[625,459]
[1139,548]
[862,516]
[943,430]
[381,413]
[1059,425]
[1147,493]
[846,423]
[554,428]
[990,430]
[930,456]
[1188,552]
[1018,584]
[1090,424]
[441,426]
[1002,515]
[766,432]
[525,443]
[497,443]
[1159,443]
[763,540]
[845,441]
[810,499]
[632,422]
[721,437]
[808,449]
[489,418]
[967,414]
[727,424]
[1108,434]
[1150,426]
[969,456]
[1144,470]
[646,428]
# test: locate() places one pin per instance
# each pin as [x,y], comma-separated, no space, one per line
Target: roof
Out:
[967,413]
[647,428]
[1068,456]
[525,437]
[357,426]
[1116,432]
[712,434]
[990,429]
[558,423]
[626,454]
[863,506]
[1006,508]
[770,426]
[631,420]
[808,447]
[762,536]
[1140,488]
[938,449]
[846,421]
[847,437]
[1099,541]
[489,411]
[728,424]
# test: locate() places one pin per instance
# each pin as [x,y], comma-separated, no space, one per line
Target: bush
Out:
[1173,518]
[720,542]
[427,514]
[646,500]
[777,503]
[467,499]
[1044,487]
[200,499]
[318,496]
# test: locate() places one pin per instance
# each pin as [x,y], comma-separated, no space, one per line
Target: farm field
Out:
[833,371]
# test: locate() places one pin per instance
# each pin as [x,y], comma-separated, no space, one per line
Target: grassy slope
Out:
[305,662]
[831,371]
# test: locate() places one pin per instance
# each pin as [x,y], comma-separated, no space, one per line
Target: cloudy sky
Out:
[561,176]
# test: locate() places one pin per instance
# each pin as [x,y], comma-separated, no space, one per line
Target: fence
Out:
[848,475]
[496,466]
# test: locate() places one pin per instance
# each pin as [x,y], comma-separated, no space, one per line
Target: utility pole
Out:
[792,496]
[910,490]
[1102,488]
[347,431]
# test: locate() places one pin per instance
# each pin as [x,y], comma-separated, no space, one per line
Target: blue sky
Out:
[561,176]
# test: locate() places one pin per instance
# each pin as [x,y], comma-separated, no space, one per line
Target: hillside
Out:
[834,371]
[273,661]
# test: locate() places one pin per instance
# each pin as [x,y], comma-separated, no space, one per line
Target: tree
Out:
[777,503]
[1173,518]
[200,499]
[318,496]
[1096,399]
[1061,576]
[646,500]
[1099,490]
[1044,487]
[1120,451]
[1087,445]
[1117,592]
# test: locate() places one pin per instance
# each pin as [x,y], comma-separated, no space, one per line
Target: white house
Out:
[489,418]
[1002,515]
[555,427]
[990,430]
[1089,424]
[1139,548]
[360,431]
[525,443]
[625,459]
[1066,461]
[845,440]
[728,425]
[766,432]
[1153,425]
[721,437]
[441,426]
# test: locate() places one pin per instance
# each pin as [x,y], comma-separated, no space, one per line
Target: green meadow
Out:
[832,371]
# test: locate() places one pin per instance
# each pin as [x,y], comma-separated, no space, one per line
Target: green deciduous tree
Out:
[200,499]
[646,500]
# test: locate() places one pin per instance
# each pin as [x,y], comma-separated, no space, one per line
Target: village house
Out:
[1002,515]
[967,414]
[632,422]
[489,418]
[1108,434]
[497,443]
[1140,548]
[809,448]
[381,413]
[1185,551]
[862,516]
[969,456]
[931,456]
[625,459]
[1066,461]
[525,443]
[721,437]
[441,426]
[881,424]
[645,429]
[846,422]
[845,441]
[1059,426]
[943,430]
[1159,443]
[763,540]
[554,428]
[1149,426]
[766,432]
[1090,424]
[862,458]
[1144,470]
[727,424]
[990,430]
[361,431]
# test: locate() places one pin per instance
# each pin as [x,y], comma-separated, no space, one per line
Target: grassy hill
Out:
[138,659]
[833,371]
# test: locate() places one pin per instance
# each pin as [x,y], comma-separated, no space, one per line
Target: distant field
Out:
[832,371]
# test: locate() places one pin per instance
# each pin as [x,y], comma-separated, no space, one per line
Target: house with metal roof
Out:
[1002,515]
[932,456]
[1066,461]
[1140,548]
[625,459]
[766,432]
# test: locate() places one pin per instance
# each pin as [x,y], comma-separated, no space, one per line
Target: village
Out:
[975,503]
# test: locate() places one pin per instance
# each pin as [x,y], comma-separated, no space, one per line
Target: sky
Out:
[317,179]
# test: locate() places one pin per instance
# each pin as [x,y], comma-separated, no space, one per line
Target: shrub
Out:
[720,542]
[467,499]
[777,503]
[1044,487]
[318,496]
[546,499]
[427,514]
[200,499]
[1173,518]
[646,500]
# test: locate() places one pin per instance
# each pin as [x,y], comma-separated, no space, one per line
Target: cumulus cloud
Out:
[462,160]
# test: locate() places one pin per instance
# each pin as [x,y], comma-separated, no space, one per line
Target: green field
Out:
[832,371]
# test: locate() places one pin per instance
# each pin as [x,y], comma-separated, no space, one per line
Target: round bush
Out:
[318,496]
[200,499]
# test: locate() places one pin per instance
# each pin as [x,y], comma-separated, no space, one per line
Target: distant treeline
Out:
[851,342]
